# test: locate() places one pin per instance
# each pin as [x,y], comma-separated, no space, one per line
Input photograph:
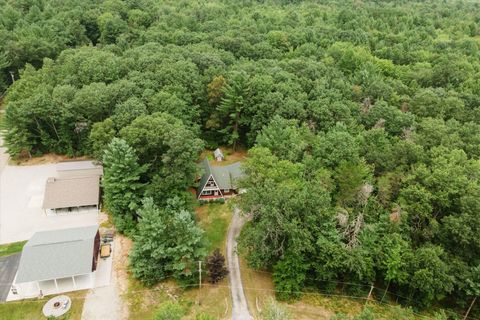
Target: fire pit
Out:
[57,306]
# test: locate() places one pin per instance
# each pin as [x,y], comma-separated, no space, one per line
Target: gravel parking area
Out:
[21,196]
[8,269]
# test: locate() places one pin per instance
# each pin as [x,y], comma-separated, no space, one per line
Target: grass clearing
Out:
[215,218]
[258,287]
[11,248]
[32,309]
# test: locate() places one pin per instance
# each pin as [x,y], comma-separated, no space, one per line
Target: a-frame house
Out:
[218,181]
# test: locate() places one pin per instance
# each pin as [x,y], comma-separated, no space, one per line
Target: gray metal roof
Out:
[71,192]
[226,176]
[218,153]
[79,165]
[57,254]
[207,171]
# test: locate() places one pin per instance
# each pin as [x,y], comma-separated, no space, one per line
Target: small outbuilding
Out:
[65,195]
[57,261]
[218,154]
[219,181]
[83,168]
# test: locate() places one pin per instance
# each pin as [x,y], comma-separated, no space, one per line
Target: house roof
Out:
[207,171]
[78,165]
[71,192]
[57,254]
[225,176]
[218,153]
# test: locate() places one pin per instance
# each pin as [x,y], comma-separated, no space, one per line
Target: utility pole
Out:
[199,280]
[199,274]
[368,297]
[470,308]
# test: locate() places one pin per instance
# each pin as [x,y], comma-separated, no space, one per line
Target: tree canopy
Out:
[362,119]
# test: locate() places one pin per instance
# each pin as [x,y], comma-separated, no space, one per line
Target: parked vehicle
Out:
[105,250]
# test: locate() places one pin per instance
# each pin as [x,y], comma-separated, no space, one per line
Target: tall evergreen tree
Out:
[233,105]
[121,184]
[168,243]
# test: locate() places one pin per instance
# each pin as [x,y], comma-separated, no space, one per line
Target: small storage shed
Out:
[218,154]
[84,168]
[57,261]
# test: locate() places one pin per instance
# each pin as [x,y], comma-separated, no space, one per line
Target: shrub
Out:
[170,311]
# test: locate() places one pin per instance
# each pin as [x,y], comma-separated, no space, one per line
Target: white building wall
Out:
[27,290]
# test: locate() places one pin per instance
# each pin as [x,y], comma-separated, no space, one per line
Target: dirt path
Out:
[239,302]
[106,302]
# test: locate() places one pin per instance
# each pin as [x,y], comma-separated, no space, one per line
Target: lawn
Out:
[32,309]
[11,248]
[210,299]
[214,218]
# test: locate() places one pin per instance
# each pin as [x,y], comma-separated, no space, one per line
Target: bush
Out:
[216,266]
[275,311]
[170,311]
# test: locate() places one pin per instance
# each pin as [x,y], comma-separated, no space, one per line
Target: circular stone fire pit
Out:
[57,306]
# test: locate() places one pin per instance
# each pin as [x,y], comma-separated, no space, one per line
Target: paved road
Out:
[8,269]
[239,302]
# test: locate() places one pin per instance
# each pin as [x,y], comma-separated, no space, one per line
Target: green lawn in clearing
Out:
[11,248]
[32,309]
[214,218]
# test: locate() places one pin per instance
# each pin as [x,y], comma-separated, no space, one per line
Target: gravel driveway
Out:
[106,302]
[8,269]
[239,302]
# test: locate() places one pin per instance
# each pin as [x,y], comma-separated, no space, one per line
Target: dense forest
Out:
[362,120]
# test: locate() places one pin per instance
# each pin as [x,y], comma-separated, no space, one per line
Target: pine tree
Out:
[233,106]
[168,243]
[121,184]
[216,266]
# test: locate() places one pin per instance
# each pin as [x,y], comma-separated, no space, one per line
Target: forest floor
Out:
[231,156]
[44,159]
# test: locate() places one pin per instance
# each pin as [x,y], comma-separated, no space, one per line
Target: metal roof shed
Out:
[83,168]
[218,154]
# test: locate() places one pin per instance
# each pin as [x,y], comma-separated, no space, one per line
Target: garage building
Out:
[65,195]
[57,261]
